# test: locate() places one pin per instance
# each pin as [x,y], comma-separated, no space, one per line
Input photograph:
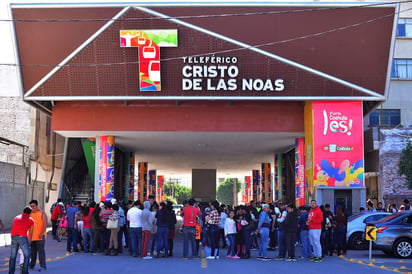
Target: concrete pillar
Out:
[204,184]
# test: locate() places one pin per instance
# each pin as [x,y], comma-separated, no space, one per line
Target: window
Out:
[404,28]
[402,68]
[385,117]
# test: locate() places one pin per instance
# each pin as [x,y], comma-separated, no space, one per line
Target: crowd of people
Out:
[147,230]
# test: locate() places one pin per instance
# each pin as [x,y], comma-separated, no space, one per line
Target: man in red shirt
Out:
[189,214]
[21,225]
[314,222]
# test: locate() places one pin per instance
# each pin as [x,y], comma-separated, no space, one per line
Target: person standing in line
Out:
[314,222]
[189,214]
[291,227]
[38,236]
[163,220]
[172,225]
[113,242]
[281,231]
[134,216]
[122,226]
[88,235]
[147,225]
[22,224]
[230,234]
[263,229]
[304,233]
[106,233]
[72,236]
[57,213]
[213,221]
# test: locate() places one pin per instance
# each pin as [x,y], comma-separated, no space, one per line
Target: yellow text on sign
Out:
[370,233]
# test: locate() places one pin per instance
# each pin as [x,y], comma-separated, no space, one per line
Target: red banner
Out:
[300,171]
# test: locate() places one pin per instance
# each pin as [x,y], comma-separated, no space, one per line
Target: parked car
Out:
[394,234]
[356,228]
[177,209]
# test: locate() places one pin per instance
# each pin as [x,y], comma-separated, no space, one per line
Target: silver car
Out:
[394,234]
[356,228]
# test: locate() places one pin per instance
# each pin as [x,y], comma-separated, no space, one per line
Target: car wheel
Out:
[403,248]
[356,241]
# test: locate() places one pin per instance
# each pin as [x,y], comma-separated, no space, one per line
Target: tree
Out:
[180,192]
[225,191]
[405,164]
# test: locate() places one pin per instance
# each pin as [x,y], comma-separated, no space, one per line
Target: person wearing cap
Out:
[57,213]
[263,229]
[291,228]
[22,224]
[122,226]
[281,231]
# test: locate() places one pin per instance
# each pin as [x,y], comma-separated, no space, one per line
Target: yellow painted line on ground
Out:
[396,270]
[47,260]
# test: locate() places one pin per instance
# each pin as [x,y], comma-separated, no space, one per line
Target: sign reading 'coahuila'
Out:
[149,42]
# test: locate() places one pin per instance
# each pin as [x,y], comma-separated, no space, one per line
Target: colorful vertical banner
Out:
[300,171]
[278,177]
[248,180]
[337,130]
[265,185]
[152,183]
[149,42]
[255,185]
[89,149]
[309,170]
[159,188]
[106,168]
[142,181]
[129,175]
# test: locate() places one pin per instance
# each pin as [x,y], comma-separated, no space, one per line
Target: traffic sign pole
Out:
[370,251]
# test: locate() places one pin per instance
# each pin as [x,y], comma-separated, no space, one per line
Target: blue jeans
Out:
[72,239]
[161,239]
[248,240]
[231,248]
[282,243]
[152,242]
[88,234]
[23,243]
[189,234]
[135,234]
[306,249]
[264,241]
[213,240]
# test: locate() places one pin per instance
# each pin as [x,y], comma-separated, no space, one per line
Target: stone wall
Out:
[393,186]
[14,126]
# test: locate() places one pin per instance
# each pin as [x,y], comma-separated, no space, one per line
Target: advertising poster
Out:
[129,175]
[265,193]
[255,185]
[142,181]
[300,171]
[309,171]
[248,180]
[106,168]
[149,43]
[278,177]
[89,149]
[159,190]
[152,183]
[338,144]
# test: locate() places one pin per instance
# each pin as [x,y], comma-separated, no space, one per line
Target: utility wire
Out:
[218,52]
[203,16]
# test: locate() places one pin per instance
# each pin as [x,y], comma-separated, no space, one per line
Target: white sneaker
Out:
[147,258]
[217,257]
[210,257]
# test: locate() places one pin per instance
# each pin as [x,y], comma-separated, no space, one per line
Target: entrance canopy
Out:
[237,52]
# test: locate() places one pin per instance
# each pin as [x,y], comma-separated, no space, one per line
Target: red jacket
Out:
[316,218]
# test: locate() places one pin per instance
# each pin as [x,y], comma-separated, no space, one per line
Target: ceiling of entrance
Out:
[175,154]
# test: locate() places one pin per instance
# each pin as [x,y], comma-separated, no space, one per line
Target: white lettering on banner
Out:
[198,75]
[337,122]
